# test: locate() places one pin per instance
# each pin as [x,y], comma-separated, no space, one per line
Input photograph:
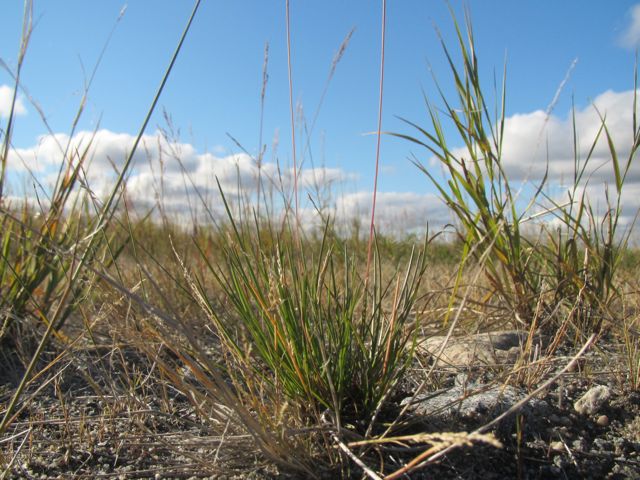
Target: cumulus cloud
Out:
[184,181]
[164,170]
[536,143]
[180,177]
[526,155]
[6,97]
[104,152]
[396,212]
[630,37]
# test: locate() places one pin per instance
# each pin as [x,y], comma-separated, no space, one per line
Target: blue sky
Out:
[215,87]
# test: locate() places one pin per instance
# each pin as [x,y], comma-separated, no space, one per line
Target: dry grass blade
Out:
[293,125]
[383,23]
[440,442]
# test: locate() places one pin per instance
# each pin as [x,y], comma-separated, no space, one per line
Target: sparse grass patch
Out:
[531,270]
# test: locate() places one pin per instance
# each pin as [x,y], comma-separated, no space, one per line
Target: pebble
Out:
[603,421]
[592,401]
[602,445]
[620,446]
[579,445]
[557,447]
[561,462]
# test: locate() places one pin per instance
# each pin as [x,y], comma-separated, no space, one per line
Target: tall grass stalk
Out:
[332,70]
[293,125]
[477,190]
[38,281]
[27,28]
[523,267]
[383,23]
[259,157]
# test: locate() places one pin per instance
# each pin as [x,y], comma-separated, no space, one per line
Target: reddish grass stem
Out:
[293,128]
[265,78]
[375,179]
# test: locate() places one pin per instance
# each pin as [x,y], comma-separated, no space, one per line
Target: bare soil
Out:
[85,419]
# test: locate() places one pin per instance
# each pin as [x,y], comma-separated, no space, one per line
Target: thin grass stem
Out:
[378,140]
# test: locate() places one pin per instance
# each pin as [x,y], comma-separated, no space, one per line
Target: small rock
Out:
[579,445]
[493,348]
[557,447]
[602,445]
[592,401]
[620,446]
[603,421]
[561,462]
[484,401]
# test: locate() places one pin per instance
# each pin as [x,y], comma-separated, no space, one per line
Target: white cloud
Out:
[396,212]
[534,142]
[6,97]
[179,174]
[165,169]
[526,151]
[630,37]
[180,177]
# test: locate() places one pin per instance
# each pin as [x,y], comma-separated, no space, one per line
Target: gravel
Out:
[147,430]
